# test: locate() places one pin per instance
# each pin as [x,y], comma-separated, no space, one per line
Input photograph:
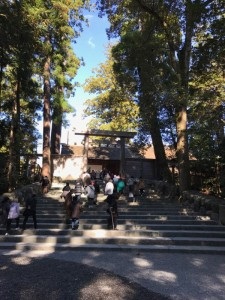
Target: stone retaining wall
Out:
[20,192]
[206,205]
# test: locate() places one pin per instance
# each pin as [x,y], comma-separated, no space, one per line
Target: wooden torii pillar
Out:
[106,133]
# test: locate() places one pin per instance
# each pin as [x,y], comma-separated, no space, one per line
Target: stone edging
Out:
[206,205]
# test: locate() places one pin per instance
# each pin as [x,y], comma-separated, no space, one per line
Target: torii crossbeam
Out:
[121,134]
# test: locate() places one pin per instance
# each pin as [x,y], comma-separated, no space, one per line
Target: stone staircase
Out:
[150,224]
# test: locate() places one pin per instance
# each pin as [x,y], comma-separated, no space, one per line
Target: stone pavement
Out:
[111,275]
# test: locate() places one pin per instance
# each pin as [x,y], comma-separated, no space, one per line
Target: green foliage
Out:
[30,33]
[173,52]
[114,105]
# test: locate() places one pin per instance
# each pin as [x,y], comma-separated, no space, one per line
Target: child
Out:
[14,213]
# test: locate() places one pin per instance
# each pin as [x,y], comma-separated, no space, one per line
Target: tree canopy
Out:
[164,78]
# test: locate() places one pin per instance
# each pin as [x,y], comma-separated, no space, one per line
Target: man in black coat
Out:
[112,210]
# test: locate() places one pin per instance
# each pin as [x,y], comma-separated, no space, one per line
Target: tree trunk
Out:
[14,140]
[182,150]
[180,66]
[148,109]
[56,138]
[56,134]
[46,162]
[182,121]
[161,159]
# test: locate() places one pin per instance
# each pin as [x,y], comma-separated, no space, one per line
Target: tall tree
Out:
[61,91]
[16,72]
[35,43]
[138,62]
[178,22]
[58,21]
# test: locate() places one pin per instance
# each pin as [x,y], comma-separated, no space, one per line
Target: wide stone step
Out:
[121,221]
[60,217]
[143,221]
[101,213]
[158,227]
[119,240]
[96,210]
[145,225]
[17,235]
[157,245]
[52,247]
[55,202]
[127,206]
[147,216]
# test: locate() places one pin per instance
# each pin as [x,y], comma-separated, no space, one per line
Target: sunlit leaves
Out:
[113,105]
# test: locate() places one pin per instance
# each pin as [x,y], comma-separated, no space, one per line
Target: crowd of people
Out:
[85,187]
[10,211]
[88,186]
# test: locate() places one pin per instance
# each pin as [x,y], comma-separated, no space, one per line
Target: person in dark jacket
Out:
[112,210]
[5,207]
[30,208]
[45,184]
[66,187]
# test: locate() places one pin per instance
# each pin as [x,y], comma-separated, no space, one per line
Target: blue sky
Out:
[91,45]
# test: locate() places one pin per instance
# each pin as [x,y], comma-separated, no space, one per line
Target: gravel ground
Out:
[95,275]
[24,277]
[111,275]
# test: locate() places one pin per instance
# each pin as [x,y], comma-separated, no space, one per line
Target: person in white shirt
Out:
[109,187]
[90,191]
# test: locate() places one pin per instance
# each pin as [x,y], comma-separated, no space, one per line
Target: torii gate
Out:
[106,133]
